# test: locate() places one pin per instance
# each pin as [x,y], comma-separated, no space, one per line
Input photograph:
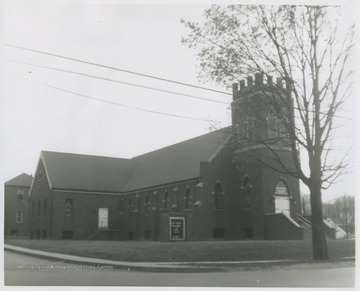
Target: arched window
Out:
[248,126]
[218,196]
[166,201]
[247,189]
[130,205]
[187,198]
[120,205]
[147,203]
[272,125]
[251,124]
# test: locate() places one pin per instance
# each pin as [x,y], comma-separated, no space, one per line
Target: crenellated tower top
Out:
[249,85]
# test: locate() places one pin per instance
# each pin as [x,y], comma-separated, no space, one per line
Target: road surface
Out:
[24,270]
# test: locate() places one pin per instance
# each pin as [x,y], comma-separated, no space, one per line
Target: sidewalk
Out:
[140,266]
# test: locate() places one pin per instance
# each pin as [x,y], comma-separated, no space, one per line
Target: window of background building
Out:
[19,217]
[20,195]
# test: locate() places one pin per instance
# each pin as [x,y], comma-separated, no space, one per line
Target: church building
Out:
[223,185]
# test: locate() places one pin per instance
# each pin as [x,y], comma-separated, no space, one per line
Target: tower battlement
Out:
[250,84]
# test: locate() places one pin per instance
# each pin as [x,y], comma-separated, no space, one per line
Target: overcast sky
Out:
[140,38]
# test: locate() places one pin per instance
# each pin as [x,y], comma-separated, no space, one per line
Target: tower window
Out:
[273,124]
[246,127]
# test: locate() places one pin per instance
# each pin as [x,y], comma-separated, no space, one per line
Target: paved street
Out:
[26,270]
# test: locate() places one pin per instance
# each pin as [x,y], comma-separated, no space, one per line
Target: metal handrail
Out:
[303,220]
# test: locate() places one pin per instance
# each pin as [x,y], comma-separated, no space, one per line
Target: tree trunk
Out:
[346,218]
[320,251]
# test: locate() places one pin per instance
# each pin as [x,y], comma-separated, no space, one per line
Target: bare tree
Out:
[309,47]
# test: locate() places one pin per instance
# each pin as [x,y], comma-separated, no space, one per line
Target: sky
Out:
[37,114]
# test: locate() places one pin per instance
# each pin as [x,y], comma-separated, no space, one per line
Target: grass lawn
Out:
[137,251]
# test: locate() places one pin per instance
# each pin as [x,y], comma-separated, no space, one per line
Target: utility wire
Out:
[116,69]
[119,104]
[118,81]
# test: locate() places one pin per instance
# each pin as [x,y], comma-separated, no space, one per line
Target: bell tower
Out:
[261,154]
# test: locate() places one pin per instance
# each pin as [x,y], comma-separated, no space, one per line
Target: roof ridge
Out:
[184,141]
[20,180]
[85,155]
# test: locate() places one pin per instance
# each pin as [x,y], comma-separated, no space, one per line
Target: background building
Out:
[16,206]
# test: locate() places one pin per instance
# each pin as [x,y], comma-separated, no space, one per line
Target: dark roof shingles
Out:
[174,163]
[87,173]
[177,162]
[23,180]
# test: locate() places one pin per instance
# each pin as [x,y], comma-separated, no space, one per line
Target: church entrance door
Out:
[282,205]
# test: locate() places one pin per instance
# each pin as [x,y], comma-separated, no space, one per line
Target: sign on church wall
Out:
[281,188]
[177,228]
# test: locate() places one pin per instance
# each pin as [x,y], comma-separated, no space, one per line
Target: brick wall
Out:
[12,226]
[279,227]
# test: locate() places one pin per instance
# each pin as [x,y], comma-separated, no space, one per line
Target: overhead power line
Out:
[119,104]
[121,82]
[118,69]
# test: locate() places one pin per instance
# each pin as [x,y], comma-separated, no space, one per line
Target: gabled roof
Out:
[23,180]
[171,164]
[177,162]
[86,173]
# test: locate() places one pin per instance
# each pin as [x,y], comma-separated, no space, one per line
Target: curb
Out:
[129,266]
[168,267]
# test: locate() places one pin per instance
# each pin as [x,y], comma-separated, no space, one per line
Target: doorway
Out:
[103,218]
[282,205]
